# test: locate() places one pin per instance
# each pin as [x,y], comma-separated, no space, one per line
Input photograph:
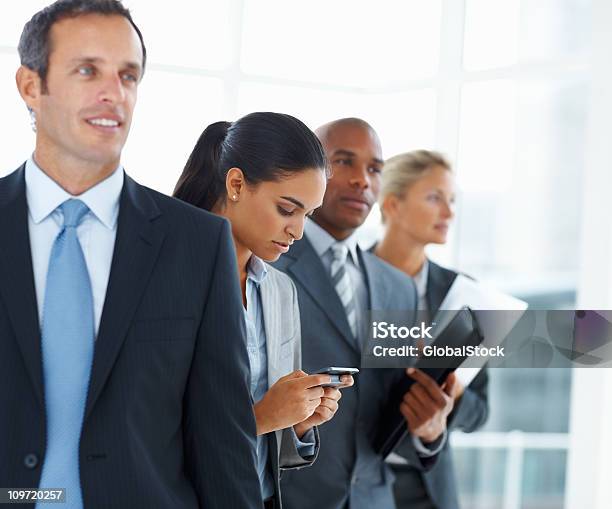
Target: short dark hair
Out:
[34,44]
[265,146]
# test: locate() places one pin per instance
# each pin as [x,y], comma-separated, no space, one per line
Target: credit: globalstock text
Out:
[438,351]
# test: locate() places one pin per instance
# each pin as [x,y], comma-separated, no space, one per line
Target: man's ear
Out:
[29,86]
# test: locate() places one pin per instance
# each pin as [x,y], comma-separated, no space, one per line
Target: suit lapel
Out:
[16,275]
[271,304]
[439,282]
[136,249]
[381,286]
[376,292]
[310,272]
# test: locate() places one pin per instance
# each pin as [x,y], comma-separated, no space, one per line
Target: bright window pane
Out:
[491,33]
[344,42]
[499,33]
[520,160]
[555,28]
[186,33]
[172,111]
[15,130]
[487,136]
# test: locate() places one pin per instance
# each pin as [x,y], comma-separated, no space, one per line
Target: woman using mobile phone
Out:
[265,173]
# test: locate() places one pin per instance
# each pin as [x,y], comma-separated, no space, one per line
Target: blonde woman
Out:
[417,200]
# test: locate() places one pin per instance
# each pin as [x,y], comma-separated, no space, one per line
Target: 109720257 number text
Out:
[9,495]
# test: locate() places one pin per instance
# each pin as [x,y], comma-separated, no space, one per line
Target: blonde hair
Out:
[403,170]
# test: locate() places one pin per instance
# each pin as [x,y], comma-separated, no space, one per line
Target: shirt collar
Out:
[256,269]
[44,195]
[321,240]
[420,279]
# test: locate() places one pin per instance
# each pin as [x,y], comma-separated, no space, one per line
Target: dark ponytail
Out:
[201,183]
[265,146]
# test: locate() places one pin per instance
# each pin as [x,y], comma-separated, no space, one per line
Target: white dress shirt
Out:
[96,232]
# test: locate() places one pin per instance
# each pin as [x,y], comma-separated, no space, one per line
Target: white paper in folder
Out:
[494,326]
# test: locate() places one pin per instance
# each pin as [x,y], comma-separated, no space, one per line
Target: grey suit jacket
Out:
[348,470]
[283,344]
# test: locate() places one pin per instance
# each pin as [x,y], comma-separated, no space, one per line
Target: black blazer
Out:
[168,421]
[469,414]
[348,471]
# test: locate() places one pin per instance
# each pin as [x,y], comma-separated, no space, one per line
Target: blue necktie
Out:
[67,350]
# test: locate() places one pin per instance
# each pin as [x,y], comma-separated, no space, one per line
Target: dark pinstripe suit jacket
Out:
[168,420]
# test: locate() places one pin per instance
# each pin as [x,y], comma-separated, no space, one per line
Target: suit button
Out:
[30,461]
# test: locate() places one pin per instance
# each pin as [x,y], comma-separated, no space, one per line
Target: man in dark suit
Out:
[337,283]
[123,367]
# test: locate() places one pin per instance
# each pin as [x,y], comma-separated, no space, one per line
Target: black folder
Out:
[461,330]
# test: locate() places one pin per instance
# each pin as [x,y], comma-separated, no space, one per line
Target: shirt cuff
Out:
[306,446]
[429,450]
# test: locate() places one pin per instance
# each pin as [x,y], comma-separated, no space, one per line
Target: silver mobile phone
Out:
[335,373]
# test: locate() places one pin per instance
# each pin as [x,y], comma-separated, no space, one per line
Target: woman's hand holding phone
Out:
[299,400]
[291,400]
[323,413]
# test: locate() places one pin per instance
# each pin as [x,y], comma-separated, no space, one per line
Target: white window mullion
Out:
[448,104]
